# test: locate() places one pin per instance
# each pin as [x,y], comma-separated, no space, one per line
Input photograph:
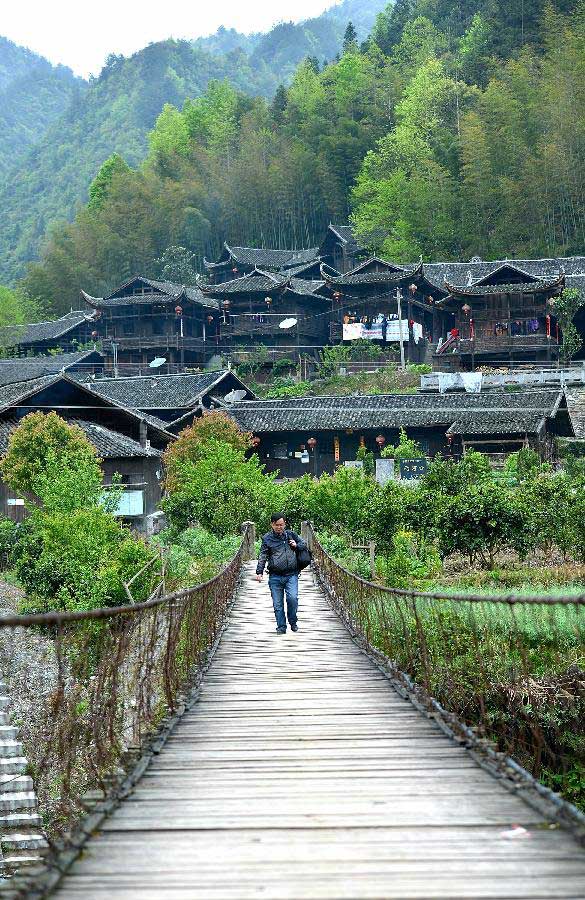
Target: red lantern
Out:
[410,323]
[380,440]
[547,321]
[179,310]
[235,270]
[210,319]
[412,288]
[94,334]
[268,301]
[226,304]
[430,298]
[255,441]
[466,308]
[312,443]
[336,295]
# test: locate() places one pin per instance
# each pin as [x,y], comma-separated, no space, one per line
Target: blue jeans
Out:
[278,584]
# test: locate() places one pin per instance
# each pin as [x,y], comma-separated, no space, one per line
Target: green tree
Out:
[53,461]
[350,42]
[565,307]
[102,183]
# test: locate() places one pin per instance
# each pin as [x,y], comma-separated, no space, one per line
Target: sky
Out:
[80,34]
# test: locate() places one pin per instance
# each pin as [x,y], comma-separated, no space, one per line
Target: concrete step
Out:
[10,748]
[8,732]
[14,783]
[13,765]
[13,823]
[17,801]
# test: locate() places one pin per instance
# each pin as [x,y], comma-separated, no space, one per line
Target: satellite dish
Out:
[234,396]
[157,361]
[287,323]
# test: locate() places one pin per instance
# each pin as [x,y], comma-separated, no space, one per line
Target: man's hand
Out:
[293,544]
[259,577]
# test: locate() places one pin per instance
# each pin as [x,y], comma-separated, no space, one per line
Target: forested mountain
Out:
[456,133]
[33,94]
[115,112]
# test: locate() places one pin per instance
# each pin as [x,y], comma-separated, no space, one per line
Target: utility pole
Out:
[400,335]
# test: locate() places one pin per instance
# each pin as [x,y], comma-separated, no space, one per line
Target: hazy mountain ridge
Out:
[115,112]
[33,95]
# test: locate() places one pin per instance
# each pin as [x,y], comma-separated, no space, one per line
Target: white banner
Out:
[353,331]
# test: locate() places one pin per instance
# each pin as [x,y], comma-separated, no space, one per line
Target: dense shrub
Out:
[78,560]
[195,555]
[8,532]
[54,461]
[345,502]
[218,488]
[484,519]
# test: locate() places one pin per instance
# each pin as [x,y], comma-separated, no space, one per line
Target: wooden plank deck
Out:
[302,774]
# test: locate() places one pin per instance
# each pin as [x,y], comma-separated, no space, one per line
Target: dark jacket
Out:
[277,552]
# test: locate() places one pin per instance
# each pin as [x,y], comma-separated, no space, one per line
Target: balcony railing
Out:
[506,342]
[152,341]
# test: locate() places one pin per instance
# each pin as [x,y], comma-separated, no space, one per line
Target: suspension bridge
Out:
[302,767]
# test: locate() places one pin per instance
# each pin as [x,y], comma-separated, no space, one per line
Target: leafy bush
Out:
[364,349]
[296,498]
[345,501]
[281,391]
[522,464]
[78,560]
[482,520]
[192,442]
[411,560]
[195,555]
[218,488]
[8,532]
[54,461]
[404,449]
[366,457]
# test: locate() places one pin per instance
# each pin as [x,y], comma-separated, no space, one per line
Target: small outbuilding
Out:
[317,434]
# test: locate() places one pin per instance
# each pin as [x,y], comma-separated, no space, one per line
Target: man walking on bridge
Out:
[279,550]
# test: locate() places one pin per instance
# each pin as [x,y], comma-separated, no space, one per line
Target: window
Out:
[280,451]
[131,504]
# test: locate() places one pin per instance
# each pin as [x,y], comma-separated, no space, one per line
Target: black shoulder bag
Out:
[303,556]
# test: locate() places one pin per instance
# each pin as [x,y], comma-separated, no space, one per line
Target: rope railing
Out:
[111,678]
[508,671]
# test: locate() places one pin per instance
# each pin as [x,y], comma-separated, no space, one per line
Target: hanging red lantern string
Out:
[547,321]
[471,330]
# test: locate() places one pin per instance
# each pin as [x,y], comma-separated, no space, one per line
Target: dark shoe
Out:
[281,630]
[294,627]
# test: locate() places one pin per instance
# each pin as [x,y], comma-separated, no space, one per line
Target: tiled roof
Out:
[165,292]
[109,444]
[11,394]
[463,273]
[345,233]
[297,271]
[30,367]
[304,287]
[273,259]
[493,423]
[501,409]
[532,287]
[13,335]
[156,391]
[17,394]
[256,282]
[371,277]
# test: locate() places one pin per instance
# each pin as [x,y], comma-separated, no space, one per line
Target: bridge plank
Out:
[301,775]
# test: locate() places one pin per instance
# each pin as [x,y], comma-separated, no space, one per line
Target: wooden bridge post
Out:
[249,549]
[306,533]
